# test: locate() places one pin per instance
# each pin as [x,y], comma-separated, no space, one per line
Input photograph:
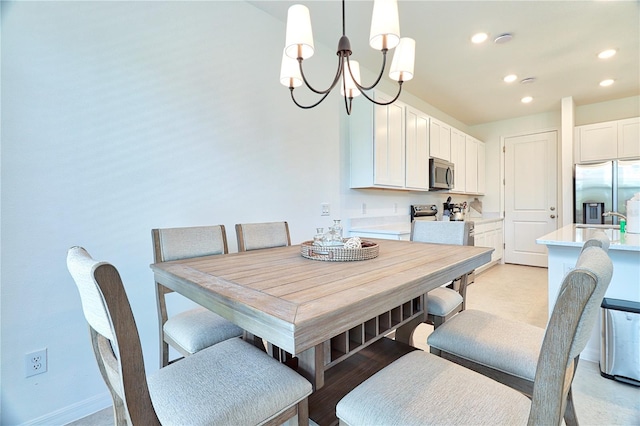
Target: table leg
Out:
[254,340]
[311,365]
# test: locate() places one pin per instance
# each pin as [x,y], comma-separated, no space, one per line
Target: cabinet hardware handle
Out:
[552,208]
[553,216]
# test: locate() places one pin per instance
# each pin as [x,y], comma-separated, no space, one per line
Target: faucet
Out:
[605,214]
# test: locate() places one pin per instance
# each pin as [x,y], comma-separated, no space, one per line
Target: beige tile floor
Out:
[520,293]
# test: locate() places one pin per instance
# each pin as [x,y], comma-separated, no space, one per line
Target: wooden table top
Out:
[297,303]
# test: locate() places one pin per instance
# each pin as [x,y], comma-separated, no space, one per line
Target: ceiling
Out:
[556,42]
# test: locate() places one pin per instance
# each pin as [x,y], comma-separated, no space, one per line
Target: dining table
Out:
[324,313]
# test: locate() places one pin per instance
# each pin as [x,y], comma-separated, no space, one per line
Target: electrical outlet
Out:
[325,209]
[35,362]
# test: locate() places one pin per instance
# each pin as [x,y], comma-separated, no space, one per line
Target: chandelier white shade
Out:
[349,84]
[384,35]
[385,25]
[290,72]
[299,41]
[403,60]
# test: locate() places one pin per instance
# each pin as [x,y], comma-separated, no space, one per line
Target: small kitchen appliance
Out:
[453,212]
[424,212]
[441,174]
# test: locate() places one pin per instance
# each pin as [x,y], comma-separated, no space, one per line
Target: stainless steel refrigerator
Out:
[604,187]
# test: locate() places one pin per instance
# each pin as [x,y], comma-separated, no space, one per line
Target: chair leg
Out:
[119,411]
[570,417]
[303,413]
[437,321]
[164,351]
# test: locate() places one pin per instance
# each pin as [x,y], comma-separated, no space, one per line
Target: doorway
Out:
[530,196]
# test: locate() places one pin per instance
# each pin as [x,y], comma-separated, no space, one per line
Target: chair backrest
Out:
[182,243]
[114,334]
[256,236]
[597,238]
[439,232]
[568,331]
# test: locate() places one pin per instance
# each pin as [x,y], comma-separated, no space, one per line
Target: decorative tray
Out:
[368,251]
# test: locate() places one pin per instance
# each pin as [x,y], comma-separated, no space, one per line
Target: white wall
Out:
[119,117]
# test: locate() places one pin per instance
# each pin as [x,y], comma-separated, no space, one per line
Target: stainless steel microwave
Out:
[441,174]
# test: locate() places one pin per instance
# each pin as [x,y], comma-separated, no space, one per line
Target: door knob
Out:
[553,216]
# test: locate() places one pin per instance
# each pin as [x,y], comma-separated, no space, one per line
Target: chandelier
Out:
[384,35]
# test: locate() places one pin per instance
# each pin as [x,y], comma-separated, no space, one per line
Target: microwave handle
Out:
[449,177]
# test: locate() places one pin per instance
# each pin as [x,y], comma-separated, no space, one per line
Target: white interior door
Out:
[530,196]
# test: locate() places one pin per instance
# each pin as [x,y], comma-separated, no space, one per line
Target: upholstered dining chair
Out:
[500,348]
[230,383]
[195,329]
[256,236]
[442,302]
[403,392]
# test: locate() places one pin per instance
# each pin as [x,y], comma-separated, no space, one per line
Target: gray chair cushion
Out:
[506,345]
[231,383]
[413,391]
[442,301]
[199,328]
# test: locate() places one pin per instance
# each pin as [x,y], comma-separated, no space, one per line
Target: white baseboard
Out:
[75,411]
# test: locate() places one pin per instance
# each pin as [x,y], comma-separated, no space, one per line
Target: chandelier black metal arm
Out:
[307,106]
[362,89]
[335,79]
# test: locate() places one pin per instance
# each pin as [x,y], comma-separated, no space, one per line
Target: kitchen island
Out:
[564,247]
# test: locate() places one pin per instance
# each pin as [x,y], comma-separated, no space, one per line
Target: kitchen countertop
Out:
[575,236]
[381,226]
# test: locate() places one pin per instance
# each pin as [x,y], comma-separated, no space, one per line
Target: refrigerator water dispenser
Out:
[592,213]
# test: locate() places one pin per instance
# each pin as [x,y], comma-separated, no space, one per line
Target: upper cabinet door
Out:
[440,140]
[629,138]
[596,142]
[482,180]
[388,140]
[417,149]
[459,160]
[471,152]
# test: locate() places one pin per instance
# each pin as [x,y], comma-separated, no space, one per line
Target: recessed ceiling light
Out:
[528,80]
[510,78]
[503,38]
[479,38]
[607,82]
[606,54]
[526,99]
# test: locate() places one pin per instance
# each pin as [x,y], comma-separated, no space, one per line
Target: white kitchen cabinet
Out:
[471,154]
[629,138]
[596,142]
[377,140]
[458,158]
[440,139]
[416,149]
[481,168]
[607,141]
[490,234]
